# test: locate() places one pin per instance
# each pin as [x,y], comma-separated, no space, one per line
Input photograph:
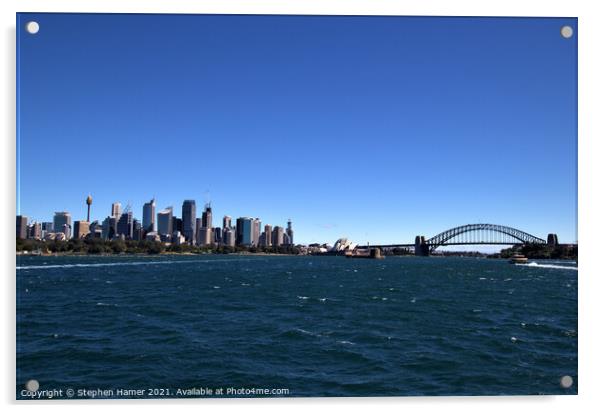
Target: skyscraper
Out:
[148,216]
[165,222]
[125,225]
[256,231]
[189,220]
[62,223]
[227,223]
[109,227]
[277,236]
[81,229]
[116,210]
[244,231]
[268,235]
[21,226]
[289,232]
[207,217]
[35,231]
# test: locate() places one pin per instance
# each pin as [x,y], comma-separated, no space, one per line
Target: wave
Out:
[536,265]
[125,263]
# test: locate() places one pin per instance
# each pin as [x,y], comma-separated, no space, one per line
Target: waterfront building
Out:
[227,222]
[262,241]
[21,226]
[289,232]
[81,229]
[116,210]
[177,224]
[217,235]
[165,222]
[50,236]
[204,236]
[137,230]
[285,239]
[256,231]
[62,222]
[229,237]
[277,236]
[152,236]
[178,238]
[109,228]
[125,225]
[244,231]
[60,236]
[189,220]
[34,231]
[148,216]
[268,235]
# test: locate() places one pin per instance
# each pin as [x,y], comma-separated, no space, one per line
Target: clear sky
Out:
[374,128]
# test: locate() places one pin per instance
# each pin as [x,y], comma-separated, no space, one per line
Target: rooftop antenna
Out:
[207,199]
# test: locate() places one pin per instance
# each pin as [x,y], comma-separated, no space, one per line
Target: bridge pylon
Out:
[421,248]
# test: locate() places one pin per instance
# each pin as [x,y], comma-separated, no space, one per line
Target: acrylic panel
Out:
[295,206]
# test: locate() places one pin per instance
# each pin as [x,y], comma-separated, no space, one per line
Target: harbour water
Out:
[317,326]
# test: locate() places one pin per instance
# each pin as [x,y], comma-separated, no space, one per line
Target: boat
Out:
[518,259]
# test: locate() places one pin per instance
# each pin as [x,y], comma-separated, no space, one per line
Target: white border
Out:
[590,68]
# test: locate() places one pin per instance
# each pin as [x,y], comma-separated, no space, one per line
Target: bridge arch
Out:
[489,234]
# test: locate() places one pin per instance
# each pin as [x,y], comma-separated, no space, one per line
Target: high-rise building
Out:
[81,229]
[268,235]
[165,222]
[227,223]
[277,236]
[109,227]
[289,232]
[148,216]
[21,226]
[95,229]
[244,231]
[47,228]
[116,210]
[256,231]
[217,235]
[229,237]
[207,217]
[177,224]
[125,225]
[136,230]
[189,220]
[34,231]
[204,236]
[62,223]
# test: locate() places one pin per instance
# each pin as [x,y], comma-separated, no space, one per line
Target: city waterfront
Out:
[317,326]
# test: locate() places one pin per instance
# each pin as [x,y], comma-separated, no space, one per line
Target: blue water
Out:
[317,326]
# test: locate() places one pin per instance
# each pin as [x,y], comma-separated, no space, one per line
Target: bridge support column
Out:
[552,240]
[421,248]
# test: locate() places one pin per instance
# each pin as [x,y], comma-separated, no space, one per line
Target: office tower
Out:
[136,230]
[116,210]
[268,235]
[62,223]
[217,235]
[244,231]
[21,226]
[125,225]
[47,228]
[289,232]
[229,237]
[207,217]
[189,220]
[35,231]
[81,229]
[89,203]
[256,231]
[262,241]
[286,239]
[177,224]
[277,236]
[148,216]
[227,223]
[165,222]
[204,236]
[109,228]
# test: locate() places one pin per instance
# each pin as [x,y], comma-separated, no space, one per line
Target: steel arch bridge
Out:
[481,234]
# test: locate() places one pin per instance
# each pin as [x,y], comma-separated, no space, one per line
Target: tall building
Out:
[244,231]
[109,228]
[125,225]
[277,236]
[256,231]
[189,220]
[217,235]
[21,226]
[136,230]
[47,228]
[207,217]
[289,232]
[227,222]
[62,223]
[204,236]
[165,222]
[148,216]
[116,210]
[95,229]
[35,231]
[268,235]
[177,224]
[89,203]
[81,229]
[229,237]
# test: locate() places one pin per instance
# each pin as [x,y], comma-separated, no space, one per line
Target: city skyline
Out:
[372,128]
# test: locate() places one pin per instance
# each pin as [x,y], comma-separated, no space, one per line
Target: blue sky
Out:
[374,128]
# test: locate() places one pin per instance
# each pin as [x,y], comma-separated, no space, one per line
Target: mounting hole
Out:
[32,385]
[32,27]
[566,32]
